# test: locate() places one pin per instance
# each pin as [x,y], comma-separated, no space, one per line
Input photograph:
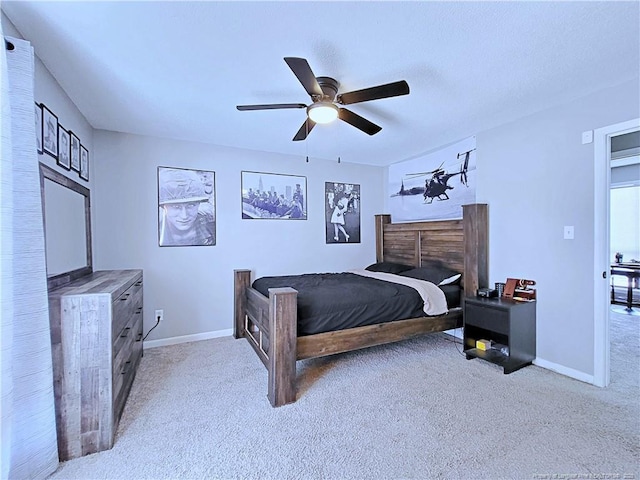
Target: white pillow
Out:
[451,279]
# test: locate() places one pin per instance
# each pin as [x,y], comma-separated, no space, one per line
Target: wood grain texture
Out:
[283,303]
[241,282]
[96,325]
[460,244]
[340,341]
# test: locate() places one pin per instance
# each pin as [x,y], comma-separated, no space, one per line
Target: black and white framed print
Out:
[64,148]
[39,127]
[75,151]
[342,212]
[84,163]
[186,207]
[273,196]
[49,132]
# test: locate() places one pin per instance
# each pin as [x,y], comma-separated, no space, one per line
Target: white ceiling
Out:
[178,69]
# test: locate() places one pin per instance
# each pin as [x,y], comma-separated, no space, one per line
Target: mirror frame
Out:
[46,172]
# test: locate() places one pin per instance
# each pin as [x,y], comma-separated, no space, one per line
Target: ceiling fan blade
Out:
[272,106]
[306,127]
[394,89]
[359,122]
[302,70]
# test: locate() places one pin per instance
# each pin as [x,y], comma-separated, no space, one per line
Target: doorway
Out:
[602,261]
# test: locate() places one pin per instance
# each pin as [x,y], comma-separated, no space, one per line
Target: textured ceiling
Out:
[178,69]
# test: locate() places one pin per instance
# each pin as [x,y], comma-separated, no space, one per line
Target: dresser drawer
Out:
[487,318]
[125,371]
[126,306]
[124,361]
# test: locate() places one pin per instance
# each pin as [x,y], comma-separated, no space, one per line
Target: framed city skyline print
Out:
[273,196]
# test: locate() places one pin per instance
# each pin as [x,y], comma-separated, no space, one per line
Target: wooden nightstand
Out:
[509,323]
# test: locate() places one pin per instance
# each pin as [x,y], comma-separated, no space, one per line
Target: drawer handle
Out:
[125,296]
[139,337]
[125,368]
[138,311]
[138,283]
[125,332]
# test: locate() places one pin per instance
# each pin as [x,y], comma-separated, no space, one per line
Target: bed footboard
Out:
[270,327]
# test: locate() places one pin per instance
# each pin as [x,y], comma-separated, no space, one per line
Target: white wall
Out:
[194,285]
[537,177]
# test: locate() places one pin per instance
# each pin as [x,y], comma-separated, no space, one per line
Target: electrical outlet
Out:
[159,315]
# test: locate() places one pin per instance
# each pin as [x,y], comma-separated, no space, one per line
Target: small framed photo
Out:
[186,207]
[273,196]
[75,152]
[39,127]
[84,163]
[64,148]
[49,132]
[342,212]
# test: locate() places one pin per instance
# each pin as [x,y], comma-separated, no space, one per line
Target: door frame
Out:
[602,262]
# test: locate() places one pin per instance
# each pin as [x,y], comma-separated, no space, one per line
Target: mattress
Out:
[337,301]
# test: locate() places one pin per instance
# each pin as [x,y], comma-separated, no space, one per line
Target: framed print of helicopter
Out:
[434,186]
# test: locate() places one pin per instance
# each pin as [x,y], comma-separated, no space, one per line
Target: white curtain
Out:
[29,444]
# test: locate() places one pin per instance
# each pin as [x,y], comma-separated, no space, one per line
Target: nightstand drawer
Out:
[487,318]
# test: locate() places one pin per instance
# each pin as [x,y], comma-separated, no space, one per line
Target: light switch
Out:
[587,137]
[568,232]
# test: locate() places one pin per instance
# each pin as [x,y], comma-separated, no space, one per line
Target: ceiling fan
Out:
[325,100]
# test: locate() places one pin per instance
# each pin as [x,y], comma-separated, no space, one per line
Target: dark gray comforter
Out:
[336,301]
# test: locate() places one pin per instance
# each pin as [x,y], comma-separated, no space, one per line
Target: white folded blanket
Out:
[435,302]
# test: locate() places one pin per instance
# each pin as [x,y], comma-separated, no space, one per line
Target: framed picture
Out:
[84,163]
[186,207]
[273,196]
[64,148]
[39,127]
[75,152]
[49,132]
[342,212]
[434,186]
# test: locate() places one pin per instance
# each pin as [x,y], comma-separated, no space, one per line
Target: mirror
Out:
[66,209]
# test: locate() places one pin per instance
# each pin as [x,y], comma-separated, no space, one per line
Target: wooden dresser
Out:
[96,336]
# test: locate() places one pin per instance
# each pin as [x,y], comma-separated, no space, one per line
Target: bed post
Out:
[241,281]
[283,328]
[476,270]
[381,221]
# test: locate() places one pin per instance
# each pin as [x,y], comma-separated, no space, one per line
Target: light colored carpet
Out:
[413,410]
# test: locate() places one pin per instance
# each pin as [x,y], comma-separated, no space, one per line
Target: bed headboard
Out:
[460,244]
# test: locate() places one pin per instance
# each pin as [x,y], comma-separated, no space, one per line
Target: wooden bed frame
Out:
[270,323]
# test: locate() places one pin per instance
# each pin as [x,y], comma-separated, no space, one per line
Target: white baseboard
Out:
[187,338]
[569,372]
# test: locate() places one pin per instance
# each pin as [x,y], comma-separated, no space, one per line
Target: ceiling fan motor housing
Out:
[329,87]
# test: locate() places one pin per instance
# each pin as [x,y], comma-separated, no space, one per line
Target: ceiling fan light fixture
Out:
[322,112]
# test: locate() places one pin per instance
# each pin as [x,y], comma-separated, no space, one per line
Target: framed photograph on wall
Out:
[434,186]
[64,148]
[186,207]
[49,132]
[39,127]
[342,212]
[84,163]
[273,196]
[75,152]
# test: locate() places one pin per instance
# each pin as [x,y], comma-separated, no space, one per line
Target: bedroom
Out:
[546,139]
